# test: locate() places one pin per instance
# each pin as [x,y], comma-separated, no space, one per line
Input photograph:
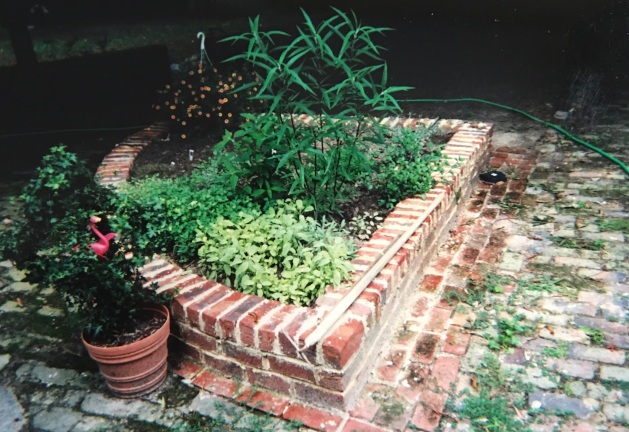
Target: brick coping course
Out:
[236,342]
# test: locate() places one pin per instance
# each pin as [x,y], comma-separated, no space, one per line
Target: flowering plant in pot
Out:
[55,247]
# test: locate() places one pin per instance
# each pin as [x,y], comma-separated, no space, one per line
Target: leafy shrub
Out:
[280,254]
[164,214]
[404,168]
[201,98]
[49,244]
[333,72]
[364,225]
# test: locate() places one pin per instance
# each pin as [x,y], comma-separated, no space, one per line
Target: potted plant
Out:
[60,242]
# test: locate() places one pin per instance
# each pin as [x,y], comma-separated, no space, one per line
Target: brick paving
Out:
[537,250]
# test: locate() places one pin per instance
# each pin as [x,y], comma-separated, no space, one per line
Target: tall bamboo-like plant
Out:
[332,71]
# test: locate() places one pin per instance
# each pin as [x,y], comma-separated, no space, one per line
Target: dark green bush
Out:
[49,244]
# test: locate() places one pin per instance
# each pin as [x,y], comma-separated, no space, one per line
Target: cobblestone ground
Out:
[519,322]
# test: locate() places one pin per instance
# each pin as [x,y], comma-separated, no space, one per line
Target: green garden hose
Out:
[551,125]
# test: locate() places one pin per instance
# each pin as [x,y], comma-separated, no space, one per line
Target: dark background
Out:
[524,54]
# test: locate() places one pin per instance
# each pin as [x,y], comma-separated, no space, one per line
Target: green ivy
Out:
[281,254]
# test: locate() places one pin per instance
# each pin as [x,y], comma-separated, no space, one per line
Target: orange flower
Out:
[166,103]
[220,114]
[235,95]
[214,70]
[207,115]
[183,123]
[167,86]
[172,117]
[199,112]
[191,73]
[229,114]
[239,78]
[226,121]
[157,107]
[183,136]
[172,107]
[220,83]
[183,82]
[202,96]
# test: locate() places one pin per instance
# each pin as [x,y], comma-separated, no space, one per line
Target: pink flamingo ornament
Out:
[102,246]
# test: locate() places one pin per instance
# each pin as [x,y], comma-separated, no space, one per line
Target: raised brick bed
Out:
[235,341]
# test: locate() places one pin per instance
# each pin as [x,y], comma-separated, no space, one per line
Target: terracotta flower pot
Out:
[137,368]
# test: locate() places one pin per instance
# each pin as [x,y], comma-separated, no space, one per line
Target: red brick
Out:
[420,308]
[242,355]
[291,368]
[266,332]
[354,425]
[333,380]
[268,380]
[222,365]
[319,395]
[228,322]
[183,299]
[427,416]
[186,369]
[390,365]
[263,401]
[251,320]
[366,408]
[312,417]
[341,345]
[202,302]
[201,340]
[210,315]
[467,256]
[431,283]
[179,349]
[291,330]
[438,320]
[456,341]
[413,384]
[424,350]
[444,371]
[216,384]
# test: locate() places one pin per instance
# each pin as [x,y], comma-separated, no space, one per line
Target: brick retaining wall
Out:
[236,340]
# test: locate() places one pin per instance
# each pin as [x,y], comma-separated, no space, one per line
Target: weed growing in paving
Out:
[560,351]
[597,337]
[572,243]
[507,331]
[621,225]
[544,283]
[500,397]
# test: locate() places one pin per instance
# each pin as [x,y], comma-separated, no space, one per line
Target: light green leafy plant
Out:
[281,254]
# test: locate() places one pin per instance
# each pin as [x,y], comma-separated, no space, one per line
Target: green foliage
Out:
[493,408]
[573,243]
[362,226]
[507,331]
[621,225]
[201,98]
[281,254]
[494,282]
[404,167]
[560,351]
[163,215]
[332,71]
[49,244]
[597,337]
[546,283]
